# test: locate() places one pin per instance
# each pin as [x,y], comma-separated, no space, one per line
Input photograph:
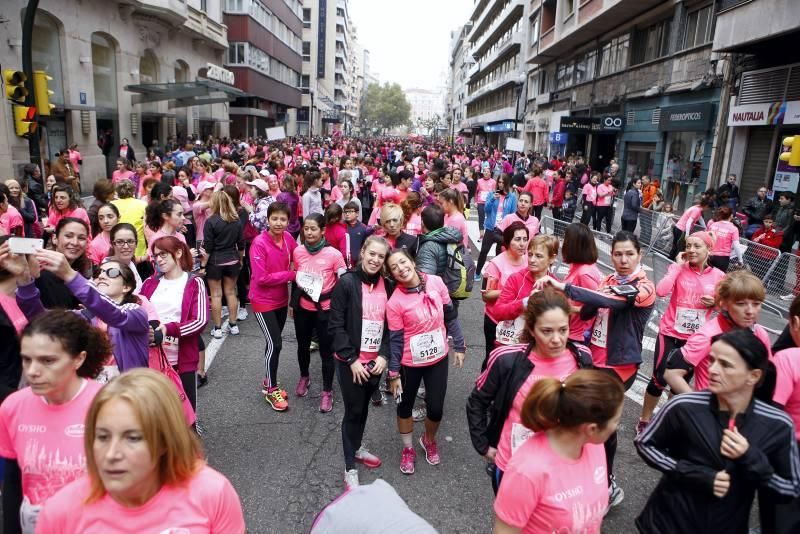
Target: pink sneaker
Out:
[407,461]
[367,458]
[326,402]
[431,450]
[302,386]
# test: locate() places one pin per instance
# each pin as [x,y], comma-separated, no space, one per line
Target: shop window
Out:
[104,71]
[639,160]
[46,52]
[699,27]
[685,152]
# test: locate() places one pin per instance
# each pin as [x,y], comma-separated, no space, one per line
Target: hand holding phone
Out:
[25,245]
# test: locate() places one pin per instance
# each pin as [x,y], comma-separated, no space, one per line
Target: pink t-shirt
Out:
[587,276]
[98,248]
[787,387]
[500,268]
[206,504]
[531,223]
[53,216]
[461,187]
[317,273]
[421,318]
[726,233]
[686,313]
[689,218]
[46,440]
[695,351]
[538,189]
[12,219]
[457,221]
[590,193]
[116,176]
[373,317]
[414,224]
[485,187]
[605,195]
[543,492]
[514,433]
[15,315]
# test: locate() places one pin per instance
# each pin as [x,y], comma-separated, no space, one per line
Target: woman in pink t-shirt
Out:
[787,364]
[605,197]
[693,215]
[572,418]
[484,188]
[580,252]
[146,471]
[107,218]
[318,267]
[513,370]
[44,420]
[523,215]
[420,317]
[360,339]
[503,266]
[453,206]
[385,193]
[63,204]
[727,234]
[162,219]
[588,199]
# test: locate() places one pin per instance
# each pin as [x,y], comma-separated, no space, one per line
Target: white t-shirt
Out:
[167,300]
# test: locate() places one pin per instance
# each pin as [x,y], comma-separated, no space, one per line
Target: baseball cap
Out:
[260,184]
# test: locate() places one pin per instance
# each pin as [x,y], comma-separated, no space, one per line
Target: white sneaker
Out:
[419,413]
[216,333]
[242,314]
[421,392]
[233,329]
[351,479]
[225,311]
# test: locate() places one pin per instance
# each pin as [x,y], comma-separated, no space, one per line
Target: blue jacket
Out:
[632,203]
[490,208]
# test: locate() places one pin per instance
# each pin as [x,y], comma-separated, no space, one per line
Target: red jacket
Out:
[509,305]
[772,238]
[558,193]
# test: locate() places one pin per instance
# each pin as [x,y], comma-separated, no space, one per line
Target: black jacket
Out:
[10,359]
[491,399]
[37,193]
[344,321]
[683,442]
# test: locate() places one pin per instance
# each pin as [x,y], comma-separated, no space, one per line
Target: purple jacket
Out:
[194,317]
[127,324]
[292,201]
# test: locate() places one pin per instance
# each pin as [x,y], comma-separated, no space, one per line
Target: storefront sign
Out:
[687,118]
[786,177]
[558,138]
[607,124]
[505,126]
[756,114]
[217,73]
[792,113]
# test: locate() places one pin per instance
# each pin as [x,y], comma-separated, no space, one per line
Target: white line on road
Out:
[213,348]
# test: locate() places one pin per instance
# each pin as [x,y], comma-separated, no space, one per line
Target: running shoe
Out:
[477,278]
[242,314]
[790,296]
[419,413]
[314,346]
[225,312]
[367,458]
[202,380]
[276,400]
[640,426]
[233,329]
[302,386]
[421,392]
[351,479]
[265,389]
[431,450]
[615,493]
[407,461]
[326,402]
[216,333]
[378,398]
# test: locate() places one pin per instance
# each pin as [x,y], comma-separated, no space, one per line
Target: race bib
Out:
[310,283]
[508,332]
[371,335]
[600,329]
[427,347]
[170,346]
[499,217]
[519,435]
[28,515]
[108,373]
[484,195]
[689,320]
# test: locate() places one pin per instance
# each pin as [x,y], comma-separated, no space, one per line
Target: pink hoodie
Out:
[270,272]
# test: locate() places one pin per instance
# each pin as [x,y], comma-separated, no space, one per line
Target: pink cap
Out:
[706,237]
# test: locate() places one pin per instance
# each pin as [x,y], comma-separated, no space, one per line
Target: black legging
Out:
[629,226]
[490,238]
[537,211]
[189,382]
[356,399]
[490,336]
[600,213]
[587,213]
[305,322]
[720,262]
[611,443]
[271,323]
[243,282]
[435,377]
[677,234]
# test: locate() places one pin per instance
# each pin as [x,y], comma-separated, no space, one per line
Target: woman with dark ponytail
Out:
[718,447]
[571,420]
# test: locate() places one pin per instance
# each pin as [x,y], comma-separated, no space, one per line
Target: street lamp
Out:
[311,116]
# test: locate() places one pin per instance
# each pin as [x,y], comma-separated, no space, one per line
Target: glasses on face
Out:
[111,272]
[350,211]
[124,243]
[162,255]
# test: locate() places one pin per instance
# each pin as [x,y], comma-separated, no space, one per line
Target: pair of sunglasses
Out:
[111,272]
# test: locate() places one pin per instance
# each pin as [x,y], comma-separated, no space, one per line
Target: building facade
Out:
[265,55]
[108,61]
[427,110]
[460,61]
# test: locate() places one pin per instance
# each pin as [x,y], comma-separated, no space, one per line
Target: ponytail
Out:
[585,396]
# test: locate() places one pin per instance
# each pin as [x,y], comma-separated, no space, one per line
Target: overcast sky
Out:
[409,41]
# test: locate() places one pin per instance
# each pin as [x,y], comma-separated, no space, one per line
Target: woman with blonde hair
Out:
[146,471]
[392,222]
[222,253]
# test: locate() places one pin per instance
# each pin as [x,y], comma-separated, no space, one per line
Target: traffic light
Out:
[793,156]
[15,85]
[42,92]
[24,120]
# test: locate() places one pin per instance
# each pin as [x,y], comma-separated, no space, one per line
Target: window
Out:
[236,54]
[651,43]
[614,55]
[234,6]
[543,87]
[204,6]
[699,27]
[564,76]
[585,66]
[569,8]
[306,17]
[534,29]
[305,83]
[104,71]
[46,54]
[306,51]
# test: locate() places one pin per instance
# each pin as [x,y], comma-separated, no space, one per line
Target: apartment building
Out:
[141,70]
[264,53]
[455,97]
[426,105]
[631,80]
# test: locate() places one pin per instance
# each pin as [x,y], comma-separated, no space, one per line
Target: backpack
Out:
[459,271]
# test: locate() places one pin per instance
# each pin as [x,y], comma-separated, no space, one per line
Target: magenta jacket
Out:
[194,317]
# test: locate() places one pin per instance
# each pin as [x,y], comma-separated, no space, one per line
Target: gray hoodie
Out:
[432,249]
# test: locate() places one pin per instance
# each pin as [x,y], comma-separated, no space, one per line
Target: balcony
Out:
[744,24]
[487,24]
[202,27]
[512,42]
[594,19]
[507,79]
[174,12]
[513,11]
[501,114]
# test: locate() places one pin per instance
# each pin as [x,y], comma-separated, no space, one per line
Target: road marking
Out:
[213,348]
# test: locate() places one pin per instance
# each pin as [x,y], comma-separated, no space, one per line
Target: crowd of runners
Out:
[364,244]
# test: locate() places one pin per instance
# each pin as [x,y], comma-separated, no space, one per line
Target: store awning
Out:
[184,94]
